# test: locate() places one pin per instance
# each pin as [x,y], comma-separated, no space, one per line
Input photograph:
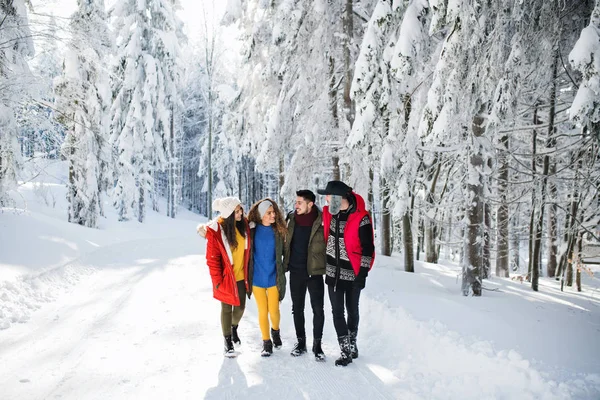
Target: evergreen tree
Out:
[16,47]
[585,57]
[83,99]
[39,131]
[145,89]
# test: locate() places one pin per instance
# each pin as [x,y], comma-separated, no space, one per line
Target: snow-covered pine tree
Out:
[508,56]
[455,118]
[83,99]
[371,92]
[217,145]
[167,43]
[145,88]
[48,61]
[391,81]
[585,57]
[39,132]
[414,56]
[268,86]
[580,196]
[16,47]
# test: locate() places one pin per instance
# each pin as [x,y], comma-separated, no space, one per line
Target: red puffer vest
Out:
[351,239]
[220,264]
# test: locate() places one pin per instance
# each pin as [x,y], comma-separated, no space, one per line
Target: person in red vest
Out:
[350,255]
[227,256]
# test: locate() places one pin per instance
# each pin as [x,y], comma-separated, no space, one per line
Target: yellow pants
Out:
[267,301]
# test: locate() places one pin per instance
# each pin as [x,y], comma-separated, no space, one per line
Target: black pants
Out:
[299,283]
[345,296]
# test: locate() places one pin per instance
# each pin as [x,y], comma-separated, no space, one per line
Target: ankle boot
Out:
[300,347]
[267,349]
[317,350]
[353,347]
[234,335]
[276,338]
[228,349]
[345,356]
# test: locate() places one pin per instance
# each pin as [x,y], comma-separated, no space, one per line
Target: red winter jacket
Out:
[220,264]
[351,239]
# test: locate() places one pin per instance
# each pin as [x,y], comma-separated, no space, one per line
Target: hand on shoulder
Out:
[201,229]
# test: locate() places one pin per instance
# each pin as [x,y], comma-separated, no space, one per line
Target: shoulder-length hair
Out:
[229,226]
[279,225]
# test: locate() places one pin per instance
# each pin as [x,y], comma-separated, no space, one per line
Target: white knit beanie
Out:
[263,207]
[226,206]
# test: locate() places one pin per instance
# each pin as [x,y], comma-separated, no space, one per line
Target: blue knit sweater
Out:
[265,272]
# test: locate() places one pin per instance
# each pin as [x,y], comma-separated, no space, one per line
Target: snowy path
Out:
[144,326]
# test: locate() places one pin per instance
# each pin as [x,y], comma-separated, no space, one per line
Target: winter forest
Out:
[472,128]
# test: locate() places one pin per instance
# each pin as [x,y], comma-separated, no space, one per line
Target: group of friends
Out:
[250,255]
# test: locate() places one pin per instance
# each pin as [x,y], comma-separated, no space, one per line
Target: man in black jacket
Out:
[305,258]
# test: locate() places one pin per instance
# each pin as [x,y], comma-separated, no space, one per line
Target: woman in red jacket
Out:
[227,256]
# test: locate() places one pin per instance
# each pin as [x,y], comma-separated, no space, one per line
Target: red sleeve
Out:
[213,257]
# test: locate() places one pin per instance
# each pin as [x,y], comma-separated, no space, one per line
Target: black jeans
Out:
[347,296]
[299,283]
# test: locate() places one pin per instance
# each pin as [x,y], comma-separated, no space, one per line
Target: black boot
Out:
[267,349]
[276,338]
[353,348]
[345,357]
[234,335]
[228,350]
[300,347]
[317,350]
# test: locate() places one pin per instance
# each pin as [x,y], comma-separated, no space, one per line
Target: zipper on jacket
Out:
[337,252]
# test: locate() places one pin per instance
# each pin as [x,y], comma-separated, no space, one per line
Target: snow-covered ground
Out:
[126,312]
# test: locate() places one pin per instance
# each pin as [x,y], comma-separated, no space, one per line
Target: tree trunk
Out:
[516,242]
[532,220]
[335,159]
[142,198]
[542,204]
[472,263]
[157,189]
[281,180]
[386,221]
[371,194]
[570,271]
[562,263]
[579,249]
[210,171]
[419,237]
[171,193]
[552,226]
[502,244]
[407,238]
[487,225]
[567,257]
[74,210]
[348,26]
[430,223]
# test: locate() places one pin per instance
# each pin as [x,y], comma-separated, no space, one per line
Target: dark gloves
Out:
[360,279]
[363,272]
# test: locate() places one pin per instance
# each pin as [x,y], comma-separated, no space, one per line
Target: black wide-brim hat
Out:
[338,188]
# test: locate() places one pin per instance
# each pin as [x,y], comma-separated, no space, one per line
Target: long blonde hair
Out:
[278,225]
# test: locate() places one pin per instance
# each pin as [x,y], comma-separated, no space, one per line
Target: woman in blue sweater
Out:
[266,272]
